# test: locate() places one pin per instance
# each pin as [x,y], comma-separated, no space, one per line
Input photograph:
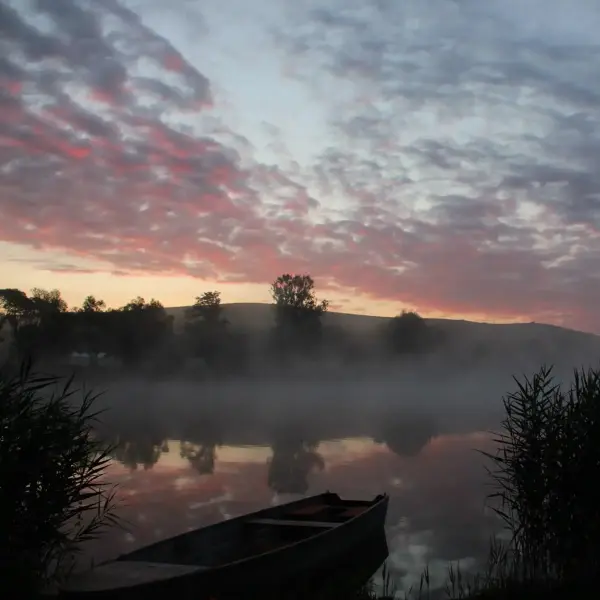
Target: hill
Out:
[255,317]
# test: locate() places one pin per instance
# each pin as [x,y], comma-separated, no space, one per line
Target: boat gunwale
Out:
[205,569]
[376,501]
[318,534]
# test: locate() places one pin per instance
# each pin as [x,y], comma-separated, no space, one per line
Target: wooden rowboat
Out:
[264,549]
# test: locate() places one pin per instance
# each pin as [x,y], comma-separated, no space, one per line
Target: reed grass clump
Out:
[545,474]
[53,495]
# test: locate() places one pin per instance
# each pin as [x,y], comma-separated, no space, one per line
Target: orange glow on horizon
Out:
[24,269]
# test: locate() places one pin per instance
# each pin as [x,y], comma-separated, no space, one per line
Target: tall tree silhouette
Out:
[206,328]
[40,322]
[140,329]
[298,326]
[91,328]
[408,333]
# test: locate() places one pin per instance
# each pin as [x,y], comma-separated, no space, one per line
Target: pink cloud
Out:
[116,182]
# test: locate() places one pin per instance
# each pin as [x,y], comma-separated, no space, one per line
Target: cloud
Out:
[470,130]
[53,267]
[90,164]
[459,169]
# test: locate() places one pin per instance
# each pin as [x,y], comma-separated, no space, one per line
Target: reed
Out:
[544,475]
[388,591]
[52,490]
[544,472]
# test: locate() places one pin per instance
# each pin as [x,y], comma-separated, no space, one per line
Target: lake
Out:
[190,456]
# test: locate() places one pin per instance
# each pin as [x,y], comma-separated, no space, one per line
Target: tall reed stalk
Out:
[546,473]
[53,495]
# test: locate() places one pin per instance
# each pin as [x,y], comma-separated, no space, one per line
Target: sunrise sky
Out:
[442,155]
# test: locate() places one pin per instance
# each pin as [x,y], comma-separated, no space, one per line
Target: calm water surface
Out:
[217,462]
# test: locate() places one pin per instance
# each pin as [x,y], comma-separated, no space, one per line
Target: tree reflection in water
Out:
[408,435]
[199,445]
[292,462]
[139,452]
[200,456]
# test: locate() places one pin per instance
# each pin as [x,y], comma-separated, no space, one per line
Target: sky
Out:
[437,155]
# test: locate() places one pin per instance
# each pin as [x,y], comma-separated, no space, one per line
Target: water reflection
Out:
[408,435]
[200,439]
[133,453]
[352,572]
[292,462]
[221,470]
[200,456]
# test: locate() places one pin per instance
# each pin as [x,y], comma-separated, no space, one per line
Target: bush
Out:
[52,492]
[408,333]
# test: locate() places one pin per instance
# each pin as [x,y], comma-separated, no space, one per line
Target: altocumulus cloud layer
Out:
[457,167]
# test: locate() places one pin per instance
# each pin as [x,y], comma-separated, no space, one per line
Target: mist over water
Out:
[189,454]
[193,450]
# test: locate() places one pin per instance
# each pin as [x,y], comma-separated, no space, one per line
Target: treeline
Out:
[141,333]
[43,327]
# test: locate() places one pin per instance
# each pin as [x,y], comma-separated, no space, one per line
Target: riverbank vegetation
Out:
[299,333]
[142,337]
[52,492]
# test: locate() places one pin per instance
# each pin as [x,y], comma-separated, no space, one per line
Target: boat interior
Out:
[254,534]
[222,543]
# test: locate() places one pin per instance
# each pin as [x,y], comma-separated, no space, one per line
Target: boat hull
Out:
[303,560]
[273,573]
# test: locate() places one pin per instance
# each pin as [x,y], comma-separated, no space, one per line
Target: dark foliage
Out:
[52,492]
[545,473]
[408,333]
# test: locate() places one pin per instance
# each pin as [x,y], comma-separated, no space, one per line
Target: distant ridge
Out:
[254,317]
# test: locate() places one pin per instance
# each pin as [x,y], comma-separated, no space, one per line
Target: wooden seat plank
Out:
[354,511]
[292,523]
[309,510]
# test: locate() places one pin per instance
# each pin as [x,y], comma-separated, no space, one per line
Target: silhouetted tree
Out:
[208,308]
[48,301]
[206,328]
[297,292]
[55,321]
[16,311]
[92,305]
[91,328]
[408,333]
[139,329]
[298,313]
[40,322]
[16,305]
